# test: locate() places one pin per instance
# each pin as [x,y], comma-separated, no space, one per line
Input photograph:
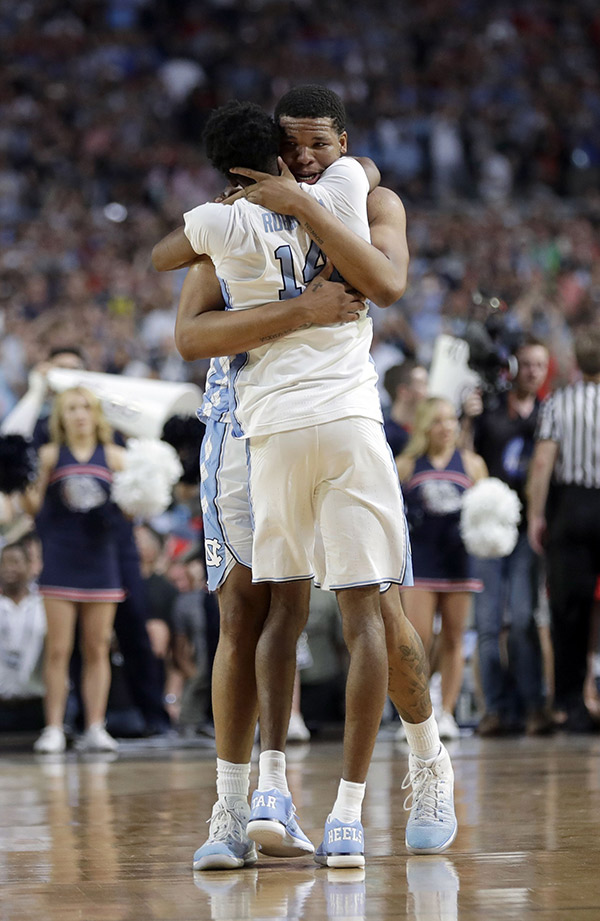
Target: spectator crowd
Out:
[488,128]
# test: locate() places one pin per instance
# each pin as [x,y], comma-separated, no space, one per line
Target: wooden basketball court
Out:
[90,839]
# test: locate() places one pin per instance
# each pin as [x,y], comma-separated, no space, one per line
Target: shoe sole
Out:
[274,841]
[341,861]
[223,862]
[432,850]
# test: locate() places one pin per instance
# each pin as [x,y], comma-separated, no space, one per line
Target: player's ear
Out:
[343,141]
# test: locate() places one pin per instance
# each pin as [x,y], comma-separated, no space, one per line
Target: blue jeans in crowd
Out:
[509,596]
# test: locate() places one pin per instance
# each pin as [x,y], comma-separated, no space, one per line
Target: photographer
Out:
[502,431]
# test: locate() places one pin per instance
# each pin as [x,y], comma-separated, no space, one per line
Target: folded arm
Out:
[204,329]
[367,268]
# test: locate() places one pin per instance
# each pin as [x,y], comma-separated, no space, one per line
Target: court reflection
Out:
[252,893]
[433,885]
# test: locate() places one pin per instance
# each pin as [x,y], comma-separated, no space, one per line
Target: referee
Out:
[564,485]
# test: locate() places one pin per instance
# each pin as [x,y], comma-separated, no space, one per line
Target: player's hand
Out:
[326,303]
[277,193]
[229,194]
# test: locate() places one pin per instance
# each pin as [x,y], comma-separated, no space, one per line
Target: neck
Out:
[82,443]
[592,378]
[16,593]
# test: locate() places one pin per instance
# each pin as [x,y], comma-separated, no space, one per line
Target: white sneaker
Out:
[431,826]
[96,739]
[51,742]
[297,730]
[448,726]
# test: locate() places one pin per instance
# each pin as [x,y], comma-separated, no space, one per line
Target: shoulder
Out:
[344,171]
[474,464]
[48,455]
[382,204]
[115,456]
[405,466]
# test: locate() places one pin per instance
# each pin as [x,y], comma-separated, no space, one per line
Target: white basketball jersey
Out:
[311,375]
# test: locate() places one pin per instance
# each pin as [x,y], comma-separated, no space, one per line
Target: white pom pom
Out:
[490,514]
[143,487]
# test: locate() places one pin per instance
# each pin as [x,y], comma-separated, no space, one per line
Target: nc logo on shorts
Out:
[213,549]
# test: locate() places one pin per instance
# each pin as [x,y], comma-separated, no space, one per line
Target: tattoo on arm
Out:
[273,336]
[313,233]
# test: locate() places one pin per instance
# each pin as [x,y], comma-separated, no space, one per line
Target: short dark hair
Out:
[312,101]
[530,341]
[399,376]
[587,350]
[17,545]
[241,134]
[66,349]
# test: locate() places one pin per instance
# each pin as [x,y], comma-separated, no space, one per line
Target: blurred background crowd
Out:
[484,117]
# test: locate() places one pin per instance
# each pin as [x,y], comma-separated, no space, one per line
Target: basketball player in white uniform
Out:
[243,332]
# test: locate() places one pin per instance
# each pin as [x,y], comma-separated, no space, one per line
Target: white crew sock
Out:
[423,738]
[348,805]
[233,780]
[271,772]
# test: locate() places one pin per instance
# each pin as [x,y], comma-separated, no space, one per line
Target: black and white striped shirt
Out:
[571,417]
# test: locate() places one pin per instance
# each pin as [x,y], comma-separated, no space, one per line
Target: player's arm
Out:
[363,265]
[173,252]
[204,329]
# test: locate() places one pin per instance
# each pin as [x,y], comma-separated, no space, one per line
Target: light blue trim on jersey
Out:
[237,365]
[215,404]
[216,541]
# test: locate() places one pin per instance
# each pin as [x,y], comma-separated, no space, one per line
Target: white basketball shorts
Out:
[340,476]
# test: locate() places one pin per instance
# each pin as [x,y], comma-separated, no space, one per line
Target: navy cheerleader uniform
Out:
[433,503]
[77,529]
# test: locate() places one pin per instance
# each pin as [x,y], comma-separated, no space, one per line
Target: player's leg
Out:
[243,607]
[284,533]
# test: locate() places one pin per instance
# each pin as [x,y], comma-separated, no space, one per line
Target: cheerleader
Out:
[434,475]
[80,575]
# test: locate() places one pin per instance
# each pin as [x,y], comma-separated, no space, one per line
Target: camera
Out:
[492,343]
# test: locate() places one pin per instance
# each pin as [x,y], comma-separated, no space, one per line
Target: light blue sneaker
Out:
[343,844]
[273,827]
[228,845]
[432,825]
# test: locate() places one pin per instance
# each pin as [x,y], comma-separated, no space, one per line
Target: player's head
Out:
[312,120]
[14,567]
[241,134]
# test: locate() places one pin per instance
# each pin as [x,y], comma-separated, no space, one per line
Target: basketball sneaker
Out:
[96,739]
[51,742]
[272,825]
[228,845]
[431,826]
[343,844]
